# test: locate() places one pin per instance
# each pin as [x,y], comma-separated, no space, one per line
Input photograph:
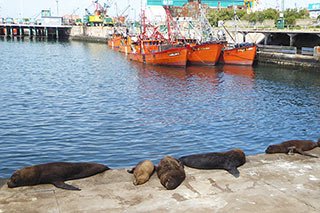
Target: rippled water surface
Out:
[84,102]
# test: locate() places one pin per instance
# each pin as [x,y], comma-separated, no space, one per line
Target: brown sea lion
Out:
[217,160]
[54,173]
[294,146]
[142,172]
[170,172]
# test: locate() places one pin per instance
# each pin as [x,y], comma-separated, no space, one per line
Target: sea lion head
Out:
[141,179]
[274,149]
[174,179]
[14,180]
[172,183]
[237,155]
[23,177]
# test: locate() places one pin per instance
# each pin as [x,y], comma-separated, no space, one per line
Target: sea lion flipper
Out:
[291,150]
[304,153]
[63,185]
[234,171]
[130,171]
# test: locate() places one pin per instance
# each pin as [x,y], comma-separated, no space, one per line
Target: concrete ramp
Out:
[267,183]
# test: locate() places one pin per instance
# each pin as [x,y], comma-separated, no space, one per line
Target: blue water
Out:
[84,102]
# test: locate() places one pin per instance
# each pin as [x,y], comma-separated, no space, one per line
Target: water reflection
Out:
[84,102]
[209,73]
[247,71]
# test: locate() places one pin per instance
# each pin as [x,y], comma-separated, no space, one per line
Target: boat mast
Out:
[235,24]
[168,20]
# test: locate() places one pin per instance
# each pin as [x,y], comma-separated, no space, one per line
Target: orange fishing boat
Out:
[204,54]
[206,49]
[115,41]
[125,45]
[158,50]
[155,53]
[240,54]
[174,56]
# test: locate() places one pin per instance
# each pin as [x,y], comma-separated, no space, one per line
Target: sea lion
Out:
[294,146]
[54,173]
[217,160]
[170,172]
[142,172]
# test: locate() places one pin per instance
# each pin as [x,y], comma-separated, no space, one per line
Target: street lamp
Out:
[280,22]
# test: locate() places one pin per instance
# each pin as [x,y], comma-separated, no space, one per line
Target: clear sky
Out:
[30,8]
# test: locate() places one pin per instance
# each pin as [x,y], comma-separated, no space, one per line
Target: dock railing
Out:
[277,49]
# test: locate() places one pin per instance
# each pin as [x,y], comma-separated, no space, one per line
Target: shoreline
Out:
[263,58]
[267,183]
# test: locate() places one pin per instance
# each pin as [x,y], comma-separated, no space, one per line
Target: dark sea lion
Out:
[170,172]
[142,172]
[294,146]
[54,173]
[217,160]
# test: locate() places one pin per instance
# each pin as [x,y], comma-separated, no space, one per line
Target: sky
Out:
[31,8]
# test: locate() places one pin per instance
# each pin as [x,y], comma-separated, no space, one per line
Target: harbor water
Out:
[78,102]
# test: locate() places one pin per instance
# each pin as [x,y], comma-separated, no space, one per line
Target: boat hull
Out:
[239,55]
[176,57]
[204,54]
[114,42]
[172,57]
[136,57]
[125,49]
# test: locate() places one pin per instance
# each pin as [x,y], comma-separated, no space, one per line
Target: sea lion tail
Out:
[131,170]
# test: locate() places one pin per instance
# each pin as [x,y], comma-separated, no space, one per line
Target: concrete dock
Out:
[267,183]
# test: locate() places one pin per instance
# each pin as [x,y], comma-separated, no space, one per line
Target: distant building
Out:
[210,3]
[48,19]
[187,8]
[314,10]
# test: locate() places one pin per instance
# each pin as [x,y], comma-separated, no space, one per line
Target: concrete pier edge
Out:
[267,183]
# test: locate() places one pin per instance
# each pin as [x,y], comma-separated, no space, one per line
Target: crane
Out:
[99,16]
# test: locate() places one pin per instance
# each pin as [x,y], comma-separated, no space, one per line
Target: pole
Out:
[57,1]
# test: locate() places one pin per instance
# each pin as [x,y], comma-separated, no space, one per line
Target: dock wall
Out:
[95,34]
[289,60]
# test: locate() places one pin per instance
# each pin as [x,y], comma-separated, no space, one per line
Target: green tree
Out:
[291,15]
[217,15]
[304,13]
[271,14]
